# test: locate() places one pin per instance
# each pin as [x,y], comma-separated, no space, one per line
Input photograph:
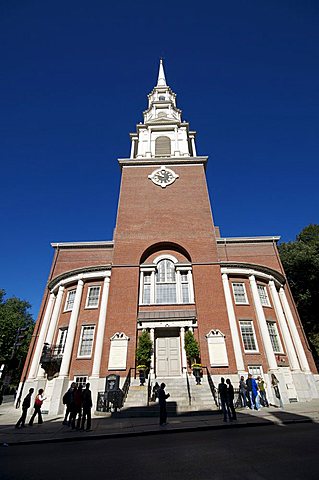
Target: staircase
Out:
[178,402]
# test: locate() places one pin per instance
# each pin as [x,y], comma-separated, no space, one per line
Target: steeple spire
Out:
[161,81]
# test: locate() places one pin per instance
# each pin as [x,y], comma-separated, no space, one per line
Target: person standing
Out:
[77,411]
[162,396]
[255,393]
[68,401]
[39,399]
[86,405]
[262,392]
[230,399]
[222,390]
[242,391]
[25,406]
[250,396]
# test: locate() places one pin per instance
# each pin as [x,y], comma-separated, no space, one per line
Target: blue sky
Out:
[74,77]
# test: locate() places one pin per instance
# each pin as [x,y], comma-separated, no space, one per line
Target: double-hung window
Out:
[248,336]
[92,300]
[274,337]
[263,295]
[240,295]
[184,286]
[86,341]
[147,287]
[63,332]
[69,301]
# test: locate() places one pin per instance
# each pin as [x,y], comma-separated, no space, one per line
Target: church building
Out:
[168,271]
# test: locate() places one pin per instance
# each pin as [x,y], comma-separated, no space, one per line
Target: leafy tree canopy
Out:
[14,314]
[191,347]
[301,263]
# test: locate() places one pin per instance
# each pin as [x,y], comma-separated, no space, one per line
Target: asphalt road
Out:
[275,452]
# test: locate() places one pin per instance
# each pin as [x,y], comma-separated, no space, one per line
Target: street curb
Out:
[198,428]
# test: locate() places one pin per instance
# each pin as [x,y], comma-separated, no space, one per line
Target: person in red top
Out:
[39,399]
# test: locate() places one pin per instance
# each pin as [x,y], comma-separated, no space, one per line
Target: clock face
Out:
[163,177]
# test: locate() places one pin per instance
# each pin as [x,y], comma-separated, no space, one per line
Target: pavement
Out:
[115,426]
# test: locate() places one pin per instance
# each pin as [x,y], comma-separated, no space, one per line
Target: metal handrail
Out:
[149,389]
[126,385]
[188,390]
[212,387]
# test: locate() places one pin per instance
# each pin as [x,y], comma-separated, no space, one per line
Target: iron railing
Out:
[212,387]
[188,390]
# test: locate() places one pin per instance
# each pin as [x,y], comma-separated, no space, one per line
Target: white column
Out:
[190,286]
[55,316]
[194,147]
[184,357]
[179,287]
[152,335]
[65,364]
[271,359]
[233,325]
[100,329]
[40,343]
[132,148]
[176,141]
[294,332]
[290,349]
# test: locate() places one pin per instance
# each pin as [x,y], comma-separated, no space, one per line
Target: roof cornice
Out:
[98,244]
[223,240]
[124,162]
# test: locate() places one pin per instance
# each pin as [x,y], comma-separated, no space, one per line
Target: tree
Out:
[16,326]
[301,263]
[144,349]
[191,347]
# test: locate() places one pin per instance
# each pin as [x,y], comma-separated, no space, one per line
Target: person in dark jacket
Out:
[162,396]
[230,399]
[76,412]
[25,406]
[86,405]
[250,396]
[222,390]
[68,401]
[242,391]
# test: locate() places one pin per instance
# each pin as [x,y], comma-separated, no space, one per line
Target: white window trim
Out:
[90,307]
[62,329]
[80,342]
[245,293]
[249,367]
[268,304]
[280,351]
[67,301]
[254,333]
[178,269]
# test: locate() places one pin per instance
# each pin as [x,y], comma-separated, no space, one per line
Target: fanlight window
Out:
[166,283]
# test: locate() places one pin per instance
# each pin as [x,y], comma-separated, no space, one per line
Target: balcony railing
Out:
[51,359]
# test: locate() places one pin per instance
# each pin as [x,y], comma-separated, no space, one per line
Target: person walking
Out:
[39,399]
[242,392]
[230,399]
[256,397]
[68,401]
[86,405]
[262,392]
[25,406]
[250,396]
[162,396]
[222,390]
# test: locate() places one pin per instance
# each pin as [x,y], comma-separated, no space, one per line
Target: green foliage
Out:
[301,263]
[144,349]
[191,347]
[14,315]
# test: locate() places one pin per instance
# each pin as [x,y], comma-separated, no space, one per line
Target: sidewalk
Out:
[110,426]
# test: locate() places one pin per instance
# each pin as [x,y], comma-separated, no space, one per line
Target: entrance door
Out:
[168,356]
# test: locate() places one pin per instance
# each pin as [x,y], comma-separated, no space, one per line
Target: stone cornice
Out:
[124,162]
[225,240]
[101,244]
[255,267]
[77,271]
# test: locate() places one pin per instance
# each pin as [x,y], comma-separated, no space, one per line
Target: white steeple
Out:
[161,80]
[163,132]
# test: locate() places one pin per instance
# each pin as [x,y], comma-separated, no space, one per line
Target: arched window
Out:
[165,282]
[162,146]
